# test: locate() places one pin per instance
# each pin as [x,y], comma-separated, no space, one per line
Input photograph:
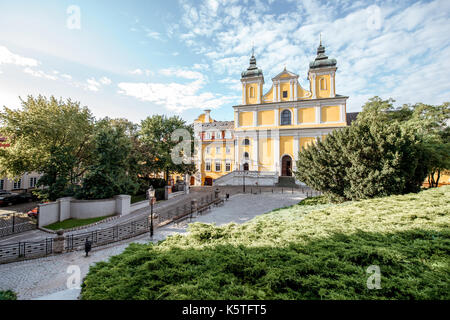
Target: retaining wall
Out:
[67,208]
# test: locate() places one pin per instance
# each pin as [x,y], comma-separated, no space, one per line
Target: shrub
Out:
[7,295]
[376,156]
[300,252]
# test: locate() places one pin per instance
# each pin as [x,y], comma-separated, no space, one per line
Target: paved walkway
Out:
[46,278]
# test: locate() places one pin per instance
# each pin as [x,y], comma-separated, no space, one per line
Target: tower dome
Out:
[322,60]
[252,70]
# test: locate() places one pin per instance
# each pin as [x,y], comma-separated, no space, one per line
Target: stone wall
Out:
[70,208]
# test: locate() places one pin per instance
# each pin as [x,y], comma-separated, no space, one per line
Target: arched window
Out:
[246,156]
[246,142]
[285,117]
[252,92]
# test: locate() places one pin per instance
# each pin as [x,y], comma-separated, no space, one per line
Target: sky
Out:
[133,59]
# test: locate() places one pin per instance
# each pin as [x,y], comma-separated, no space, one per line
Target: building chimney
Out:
[207,115]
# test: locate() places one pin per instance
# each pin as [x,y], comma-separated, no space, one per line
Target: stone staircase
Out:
[286,182]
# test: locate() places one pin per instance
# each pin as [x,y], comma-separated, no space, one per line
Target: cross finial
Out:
[253,48]
[320,37]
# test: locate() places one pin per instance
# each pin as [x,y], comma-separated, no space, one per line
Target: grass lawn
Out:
[73,223]
[316,251]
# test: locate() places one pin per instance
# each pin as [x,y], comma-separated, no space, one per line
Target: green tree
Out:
[156,137]
[49,136]
[385,151]
[109,174]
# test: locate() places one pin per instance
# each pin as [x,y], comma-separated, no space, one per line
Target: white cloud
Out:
[183,73]
[94,85]
[7,57]
[105,81]
[39,74]
[387,49]
[142,71]
[175,97]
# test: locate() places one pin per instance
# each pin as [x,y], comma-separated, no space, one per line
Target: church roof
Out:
[322,59]
[252,70]
[218,125]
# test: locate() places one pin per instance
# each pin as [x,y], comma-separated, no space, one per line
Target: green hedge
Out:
[301,252]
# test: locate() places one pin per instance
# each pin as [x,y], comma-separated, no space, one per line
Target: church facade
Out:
[269,129]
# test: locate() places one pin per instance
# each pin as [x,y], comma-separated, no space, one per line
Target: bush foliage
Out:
[302,252]
[7,295]
[384,152]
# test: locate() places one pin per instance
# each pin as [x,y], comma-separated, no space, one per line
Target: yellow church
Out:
[269,129]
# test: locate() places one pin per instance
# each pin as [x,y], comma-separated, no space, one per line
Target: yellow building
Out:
[269,129]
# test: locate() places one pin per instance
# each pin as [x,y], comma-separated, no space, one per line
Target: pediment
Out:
[285,74]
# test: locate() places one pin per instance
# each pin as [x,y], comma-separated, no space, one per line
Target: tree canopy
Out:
[385,151]
[84,157]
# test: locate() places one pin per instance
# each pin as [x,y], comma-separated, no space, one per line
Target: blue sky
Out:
[133,59]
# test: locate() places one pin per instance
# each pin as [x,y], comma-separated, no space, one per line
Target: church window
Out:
[246,156]
[285,94]
[285,117]
[323,84]
[246,142]
[252,92]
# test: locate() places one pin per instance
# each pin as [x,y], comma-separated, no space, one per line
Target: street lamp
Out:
[151,198]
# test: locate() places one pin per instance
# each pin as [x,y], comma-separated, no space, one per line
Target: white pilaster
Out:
[295,115]
[332,92]
[276,149]
[313,86]
[258,92]
[296,90]
[318,114]
[291,83]
[255,118]
[236,154]
[342,113]
[255,160]
[278,91]
[244,90]
[236,118]
[295,150]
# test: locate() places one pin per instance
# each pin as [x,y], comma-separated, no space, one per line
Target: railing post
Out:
[14,222]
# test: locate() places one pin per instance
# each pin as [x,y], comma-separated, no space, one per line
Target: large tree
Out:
[385,151]
[109,174]
[49,136]
[156,135]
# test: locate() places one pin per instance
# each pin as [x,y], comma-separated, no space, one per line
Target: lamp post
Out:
[151,198]
[243,178]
